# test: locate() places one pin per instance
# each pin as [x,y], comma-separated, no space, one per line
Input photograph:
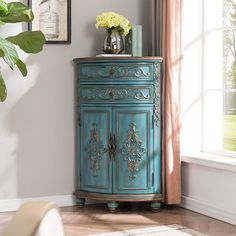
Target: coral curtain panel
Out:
[170,49]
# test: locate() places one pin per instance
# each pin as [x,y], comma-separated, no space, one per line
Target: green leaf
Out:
[18,12]
[3,8]
[3,89]
[22,67]
[30,42]
[1,53]
[11,57]
[9,51]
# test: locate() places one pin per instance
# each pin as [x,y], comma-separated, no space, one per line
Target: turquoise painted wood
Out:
[119,130]
[133,164]
[95,165]
[116,93]
[119,71]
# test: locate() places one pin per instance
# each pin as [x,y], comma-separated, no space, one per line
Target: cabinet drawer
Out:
[100,94]
[116,71]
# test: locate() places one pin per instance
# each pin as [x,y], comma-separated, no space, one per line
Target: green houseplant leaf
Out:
[3,89]
[22,67]
[9,52]
[18,12]
[10,55]
[3,8]
[1,53]
[30,42]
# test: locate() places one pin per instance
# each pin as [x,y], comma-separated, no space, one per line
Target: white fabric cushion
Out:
[51,225]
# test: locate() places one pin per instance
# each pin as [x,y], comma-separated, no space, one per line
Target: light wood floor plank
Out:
[94,219]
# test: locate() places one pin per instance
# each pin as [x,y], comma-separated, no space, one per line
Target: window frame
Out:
[205,90]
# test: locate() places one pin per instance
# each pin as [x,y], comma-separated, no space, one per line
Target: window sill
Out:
[210,160]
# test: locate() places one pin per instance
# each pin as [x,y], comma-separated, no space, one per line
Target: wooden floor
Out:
[94,219]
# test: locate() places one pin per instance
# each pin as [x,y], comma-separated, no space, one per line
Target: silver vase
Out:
[113,42]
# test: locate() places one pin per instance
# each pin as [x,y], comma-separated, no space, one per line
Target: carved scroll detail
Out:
[157,94]
[132,150]
[114,71]
[95,150]
[116,94]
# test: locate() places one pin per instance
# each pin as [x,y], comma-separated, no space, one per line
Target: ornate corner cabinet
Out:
[119,130]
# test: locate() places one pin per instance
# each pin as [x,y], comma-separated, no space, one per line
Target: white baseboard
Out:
[226,215]
[14,204]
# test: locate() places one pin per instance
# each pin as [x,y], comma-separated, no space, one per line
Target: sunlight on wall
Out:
[17,87]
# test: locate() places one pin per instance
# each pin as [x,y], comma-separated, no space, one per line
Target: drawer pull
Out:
[111,93]
[111,71]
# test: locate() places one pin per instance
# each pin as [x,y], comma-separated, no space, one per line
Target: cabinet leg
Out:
[155,206]
[112,206]
[80,202]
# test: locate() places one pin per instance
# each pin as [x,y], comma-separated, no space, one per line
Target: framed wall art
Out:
[53,18]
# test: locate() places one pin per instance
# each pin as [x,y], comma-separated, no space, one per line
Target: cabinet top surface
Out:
[114,58]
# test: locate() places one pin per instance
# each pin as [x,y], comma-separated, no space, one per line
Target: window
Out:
[208,75]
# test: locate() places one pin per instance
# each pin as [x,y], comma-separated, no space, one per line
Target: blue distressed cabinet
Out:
[119,130]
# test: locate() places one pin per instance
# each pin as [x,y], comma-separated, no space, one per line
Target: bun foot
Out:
[112,206]
[155,206]
[80,202]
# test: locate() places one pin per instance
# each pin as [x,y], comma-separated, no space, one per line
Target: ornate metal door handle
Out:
[112,147]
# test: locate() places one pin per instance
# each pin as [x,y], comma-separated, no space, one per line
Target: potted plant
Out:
[28,41]
[116,26]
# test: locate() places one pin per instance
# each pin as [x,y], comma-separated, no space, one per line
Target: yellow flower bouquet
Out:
[112,20]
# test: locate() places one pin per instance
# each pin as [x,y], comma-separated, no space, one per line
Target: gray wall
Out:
[37,124]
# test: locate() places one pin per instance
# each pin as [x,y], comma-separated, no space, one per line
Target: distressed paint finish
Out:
[119,131]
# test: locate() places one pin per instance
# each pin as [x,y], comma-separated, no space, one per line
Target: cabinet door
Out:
[95,165]
[133,165]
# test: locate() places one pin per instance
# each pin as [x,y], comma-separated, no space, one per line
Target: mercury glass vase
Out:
[113,42]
